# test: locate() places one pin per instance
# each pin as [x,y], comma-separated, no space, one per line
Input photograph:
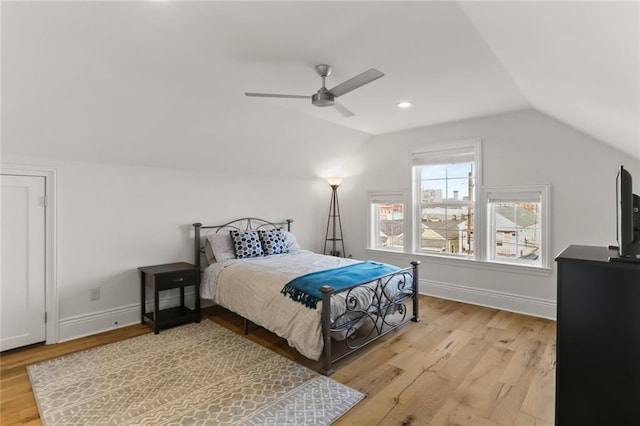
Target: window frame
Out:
[480,259]
[516,193]
[392,197]
[442,153]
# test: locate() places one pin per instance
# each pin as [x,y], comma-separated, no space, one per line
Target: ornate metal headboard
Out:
[243,224]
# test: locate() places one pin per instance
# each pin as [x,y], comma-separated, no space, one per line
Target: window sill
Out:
[467,263]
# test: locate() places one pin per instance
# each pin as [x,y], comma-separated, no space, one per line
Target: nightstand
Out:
[166,277]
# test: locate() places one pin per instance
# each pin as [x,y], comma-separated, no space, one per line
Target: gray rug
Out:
[197,374]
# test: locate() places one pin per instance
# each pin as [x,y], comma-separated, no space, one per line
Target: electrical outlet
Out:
[94,293]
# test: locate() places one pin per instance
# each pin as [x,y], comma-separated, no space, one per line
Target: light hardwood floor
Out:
[461,365]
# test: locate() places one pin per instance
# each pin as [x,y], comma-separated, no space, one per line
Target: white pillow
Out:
[219,247]
[292,243]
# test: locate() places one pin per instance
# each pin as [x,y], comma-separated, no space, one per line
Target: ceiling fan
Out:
[327,97]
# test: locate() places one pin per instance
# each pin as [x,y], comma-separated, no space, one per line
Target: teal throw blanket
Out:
[306,288]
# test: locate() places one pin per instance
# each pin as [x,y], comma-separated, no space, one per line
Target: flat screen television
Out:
[627,220]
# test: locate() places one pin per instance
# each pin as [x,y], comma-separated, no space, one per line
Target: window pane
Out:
[433,191]
[389,226]
[517,231]
[445,194]
[460,189]
[447,182]
[447,229]
[436,171]
[459,170]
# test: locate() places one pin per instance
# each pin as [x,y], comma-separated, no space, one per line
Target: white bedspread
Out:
[251,288]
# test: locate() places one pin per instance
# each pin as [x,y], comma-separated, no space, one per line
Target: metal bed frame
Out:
[385,313]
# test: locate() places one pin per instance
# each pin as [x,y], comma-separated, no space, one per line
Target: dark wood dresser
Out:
[598,341]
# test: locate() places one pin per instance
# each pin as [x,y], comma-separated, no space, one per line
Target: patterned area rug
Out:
[195,374]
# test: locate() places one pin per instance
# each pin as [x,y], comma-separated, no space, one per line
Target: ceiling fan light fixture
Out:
[323,99]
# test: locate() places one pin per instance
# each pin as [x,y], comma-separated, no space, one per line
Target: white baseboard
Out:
[97,322]
[493,299]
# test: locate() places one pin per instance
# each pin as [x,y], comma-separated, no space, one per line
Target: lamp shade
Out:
[334,181]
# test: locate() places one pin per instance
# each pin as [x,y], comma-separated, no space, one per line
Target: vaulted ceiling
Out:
[155,82]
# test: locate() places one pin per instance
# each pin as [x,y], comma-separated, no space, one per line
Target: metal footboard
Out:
[385,311]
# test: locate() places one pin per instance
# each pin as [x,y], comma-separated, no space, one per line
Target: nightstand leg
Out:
[181,300]
[156,311]
[142,297]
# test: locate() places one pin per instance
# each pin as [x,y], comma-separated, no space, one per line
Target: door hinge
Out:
[45,317]
[45,201]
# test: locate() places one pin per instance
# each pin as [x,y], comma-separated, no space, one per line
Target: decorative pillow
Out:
[246,244]
[273,241]
[208,253]
[292,243]
[219,247]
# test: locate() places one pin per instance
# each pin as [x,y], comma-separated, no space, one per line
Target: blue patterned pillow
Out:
[273,242]
[246,244]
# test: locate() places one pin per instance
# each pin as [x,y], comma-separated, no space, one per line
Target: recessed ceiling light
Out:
[404,104]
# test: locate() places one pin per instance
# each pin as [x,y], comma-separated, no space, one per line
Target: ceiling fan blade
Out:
[355,82]
[343,110]
[276,95]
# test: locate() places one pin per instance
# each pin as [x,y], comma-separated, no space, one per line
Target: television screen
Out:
[628,218]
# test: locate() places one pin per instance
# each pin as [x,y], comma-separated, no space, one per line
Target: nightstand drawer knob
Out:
[178,280]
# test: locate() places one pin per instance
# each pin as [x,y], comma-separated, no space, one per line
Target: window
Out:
[517,225]
[386,228]
[452,215]
[444,184]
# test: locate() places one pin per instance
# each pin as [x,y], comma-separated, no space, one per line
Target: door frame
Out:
[51,278]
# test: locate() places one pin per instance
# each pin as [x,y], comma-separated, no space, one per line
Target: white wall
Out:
[112,219]
[524,147]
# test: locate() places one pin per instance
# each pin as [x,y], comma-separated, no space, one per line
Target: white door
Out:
[22,300]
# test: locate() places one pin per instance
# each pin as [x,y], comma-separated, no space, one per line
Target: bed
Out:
[326,307]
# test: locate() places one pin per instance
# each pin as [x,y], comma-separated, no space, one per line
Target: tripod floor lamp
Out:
[334,225]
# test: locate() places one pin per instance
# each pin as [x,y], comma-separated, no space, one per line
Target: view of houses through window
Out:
[447,208]
[443,216]
[390,225]
[516,226]
[517,230]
